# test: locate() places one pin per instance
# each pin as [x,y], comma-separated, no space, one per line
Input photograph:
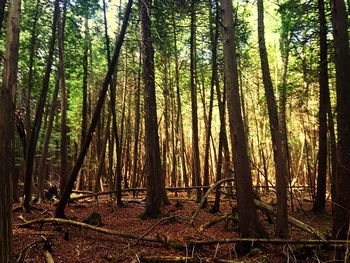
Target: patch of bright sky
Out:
[112,13]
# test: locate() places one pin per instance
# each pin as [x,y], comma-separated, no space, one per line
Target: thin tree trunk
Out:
[179,122]
[137,127]
[43,158]
[196,178]
[249,224]
[63,150]
[33,139]
[277,141]
[68,189]
[7,130]
[30,72]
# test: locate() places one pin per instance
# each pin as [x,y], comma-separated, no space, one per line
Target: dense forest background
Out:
[110,95]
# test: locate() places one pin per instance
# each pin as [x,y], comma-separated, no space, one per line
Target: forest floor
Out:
[70,244]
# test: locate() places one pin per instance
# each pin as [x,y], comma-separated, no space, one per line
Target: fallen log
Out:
[293,221]
[175,259]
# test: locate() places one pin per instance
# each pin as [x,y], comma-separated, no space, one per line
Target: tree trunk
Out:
[179,122]
[64,158]
[33,139]
[320,201]
[341,215]
[30,72]
[42,161]
[155,186]
[137,127]
[277,140]
[68,189]
[196,178]
[249,224]
[7,130]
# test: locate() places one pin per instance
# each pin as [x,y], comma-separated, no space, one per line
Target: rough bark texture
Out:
[277,141]
[341,215]
[154,167]
[70,183]
[320,201]
[196,178]
[249,224]
[7,131]
[33,139]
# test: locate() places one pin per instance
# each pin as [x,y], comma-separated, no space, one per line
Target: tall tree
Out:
[155,186]
[341,214]
[196,178]
[73,175]
[320,201]
[277,140]
[62,74]
[33,139]
[7,130]
[249,224]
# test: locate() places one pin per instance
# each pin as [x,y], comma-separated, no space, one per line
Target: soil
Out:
[74,244]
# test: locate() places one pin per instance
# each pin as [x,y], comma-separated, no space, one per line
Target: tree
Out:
[277,140]
[320,201]
[33,139]
[196,178]
[155,186]
[249,224]
[341,214]
[73,176]
[7,130]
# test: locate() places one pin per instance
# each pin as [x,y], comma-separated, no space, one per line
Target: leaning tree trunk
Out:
[42,161]
[33,139]
[73,176]
[155,186]
[320,200]
[277,140]
[341,215]
[196,179]
[249,224]
[7,131]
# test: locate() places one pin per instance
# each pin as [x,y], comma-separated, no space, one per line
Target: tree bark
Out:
[320,201]
[64,145]
[33,139]
[196,178]
[42,161]
[68,189]
[341,215]
[155,186]
[249,224]
[7,130]
[30,72]
[277,141]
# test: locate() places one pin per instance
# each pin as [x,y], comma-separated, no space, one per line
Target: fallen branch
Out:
[215,221]
[293,221]
[24,252]
[205,197]
[183,259]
